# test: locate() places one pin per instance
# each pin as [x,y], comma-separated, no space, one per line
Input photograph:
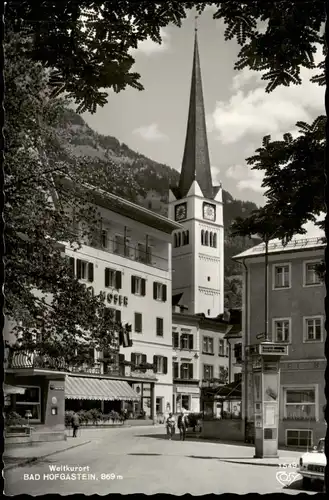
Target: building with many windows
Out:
[128,261]
[201,358]
[296,295]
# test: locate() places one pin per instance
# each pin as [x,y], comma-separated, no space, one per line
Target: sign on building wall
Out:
[115,299]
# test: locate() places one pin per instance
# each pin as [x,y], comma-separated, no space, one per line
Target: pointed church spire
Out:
[196,163]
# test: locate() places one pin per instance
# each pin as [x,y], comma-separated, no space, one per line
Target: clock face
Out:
[180,211]
[209,211]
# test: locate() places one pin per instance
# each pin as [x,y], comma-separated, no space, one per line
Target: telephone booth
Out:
[266,385]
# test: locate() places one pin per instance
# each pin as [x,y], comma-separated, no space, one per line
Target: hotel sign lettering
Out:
[114,298]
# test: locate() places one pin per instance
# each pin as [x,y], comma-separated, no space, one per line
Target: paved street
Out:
[141,460]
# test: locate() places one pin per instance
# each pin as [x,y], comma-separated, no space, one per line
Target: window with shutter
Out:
[159,327]
[144,358]
[107,277]
[158,293]
[138,359]
[221,350]
[175,369]
[118,316]
[143,287]
[118,280]
[155,363]
[208,345]
[190,371]
[165,365]
[154,290]
[137,285]
[190,342]
[161,364]
[90,272]
[175,339]
[184,341]
[82,270]
[111,277]
[164,293]
[138,322]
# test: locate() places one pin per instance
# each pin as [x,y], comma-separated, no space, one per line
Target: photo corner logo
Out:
[287,478]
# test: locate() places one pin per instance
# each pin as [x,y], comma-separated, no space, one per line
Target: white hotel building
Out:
[132,266]
[130,262]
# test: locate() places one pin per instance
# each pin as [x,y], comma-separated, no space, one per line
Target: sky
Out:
[239,111]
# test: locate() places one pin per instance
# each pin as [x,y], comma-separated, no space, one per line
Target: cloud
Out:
[215,174]
[252,111]
[247,178]
[150,133]
[148,47]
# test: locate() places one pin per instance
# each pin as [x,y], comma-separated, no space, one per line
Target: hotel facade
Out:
[128,261]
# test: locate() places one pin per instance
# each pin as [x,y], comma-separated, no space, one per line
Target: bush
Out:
[68,418]
[95,415]
[13,418]
[83,417]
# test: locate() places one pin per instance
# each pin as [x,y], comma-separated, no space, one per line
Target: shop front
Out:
[110,394]
[38,401]
[186,397]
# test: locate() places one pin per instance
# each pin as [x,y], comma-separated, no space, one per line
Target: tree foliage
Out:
[294,180]
[88,46]
[51,309]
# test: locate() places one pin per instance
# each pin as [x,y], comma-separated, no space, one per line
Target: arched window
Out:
[179,239]
[215,241]
[202,237]
[210,239]
[206,239]
[175,240]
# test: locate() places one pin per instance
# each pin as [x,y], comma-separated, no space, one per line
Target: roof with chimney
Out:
[196,162]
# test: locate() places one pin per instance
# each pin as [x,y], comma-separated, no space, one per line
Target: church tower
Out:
[198,250]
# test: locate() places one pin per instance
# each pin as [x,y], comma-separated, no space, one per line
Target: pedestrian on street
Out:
[182,424]
[170,424]
[75,424]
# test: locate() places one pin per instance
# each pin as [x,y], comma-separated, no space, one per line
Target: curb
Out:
[37,459]
[250,463]
[259,464]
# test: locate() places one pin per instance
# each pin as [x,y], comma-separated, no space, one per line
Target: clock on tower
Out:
[209,211]
[180,211]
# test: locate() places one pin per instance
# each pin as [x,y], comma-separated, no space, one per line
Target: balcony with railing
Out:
[137,252]
[25,360]
[110,365]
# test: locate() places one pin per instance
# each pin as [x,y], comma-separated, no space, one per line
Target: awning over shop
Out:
[228,391]
[13,389]
[99,389]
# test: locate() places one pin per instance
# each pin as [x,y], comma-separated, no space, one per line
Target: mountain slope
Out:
[151,179]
